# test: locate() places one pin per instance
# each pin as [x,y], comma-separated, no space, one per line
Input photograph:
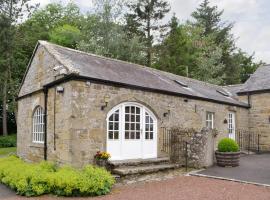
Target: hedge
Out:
[8,141]
[30,179]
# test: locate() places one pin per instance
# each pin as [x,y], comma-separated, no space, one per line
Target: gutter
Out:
[253,92]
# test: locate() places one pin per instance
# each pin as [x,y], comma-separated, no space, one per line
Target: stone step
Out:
[131,170]
[137,162]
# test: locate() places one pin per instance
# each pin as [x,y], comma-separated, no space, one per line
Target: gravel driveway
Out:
[178,188]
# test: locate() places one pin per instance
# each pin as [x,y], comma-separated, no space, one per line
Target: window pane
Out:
[133,126]
[132,135]
[147,135]
[151,136]
[127,109]
[110,125]
[146,127]
[116,135]
[111,118]
[151,127]
[127,126]
[137,135]
[133,118]
[137,118]
[146,119]
[137,126]
[116,126]
[116,117]
[137,110]
[126,135]
[132,109]
[110,135]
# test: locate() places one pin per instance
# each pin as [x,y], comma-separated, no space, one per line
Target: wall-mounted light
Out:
[165,114]
[106,101]
[60,89]
[225,121]
[269,119]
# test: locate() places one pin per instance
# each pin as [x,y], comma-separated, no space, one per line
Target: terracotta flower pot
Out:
[227,159]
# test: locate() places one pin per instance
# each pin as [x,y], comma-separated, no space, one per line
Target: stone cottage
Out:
[72,104]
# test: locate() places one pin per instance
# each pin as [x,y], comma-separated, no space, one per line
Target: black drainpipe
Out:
[45,121]
[249,103]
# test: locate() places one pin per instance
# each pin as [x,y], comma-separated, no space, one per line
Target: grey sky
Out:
[251,18]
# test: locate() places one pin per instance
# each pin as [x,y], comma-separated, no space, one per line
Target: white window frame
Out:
[38,125]
[149,134]
[210,117]
[231,125]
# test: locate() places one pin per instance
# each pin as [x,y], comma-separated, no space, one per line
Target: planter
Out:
[102,163]
[227,159]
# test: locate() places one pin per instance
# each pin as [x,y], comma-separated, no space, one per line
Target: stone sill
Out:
[36,145]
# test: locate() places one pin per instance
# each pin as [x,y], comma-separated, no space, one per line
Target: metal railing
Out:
[175,144]
[248,141]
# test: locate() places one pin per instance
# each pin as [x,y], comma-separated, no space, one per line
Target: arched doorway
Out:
[131,132]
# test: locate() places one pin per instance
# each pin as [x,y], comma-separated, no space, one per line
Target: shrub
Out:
[8,141]
[36,179]
[227,145]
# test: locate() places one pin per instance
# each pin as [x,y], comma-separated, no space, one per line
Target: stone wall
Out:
[40,72]
[192,148]
[77,125]
[259,118]
[89,121]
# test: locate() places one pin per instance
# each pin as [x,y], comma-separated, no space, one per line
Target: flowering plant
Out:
[102,155]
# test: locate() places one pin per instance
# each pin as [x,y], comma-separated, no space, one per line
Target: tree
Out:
[103,34]
[176,53]
[12,11]
[147,14]
[66,35]
[209,19]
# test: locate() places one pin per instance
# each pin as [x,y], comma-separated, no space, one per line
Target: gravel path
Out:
[179,188]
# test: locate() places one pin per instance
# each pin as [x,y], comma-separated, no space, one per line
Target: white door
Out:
[231,125]
[131,132]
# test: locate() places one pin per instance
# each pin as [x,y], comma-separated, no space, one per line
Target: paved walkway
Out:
[253,168]
[178,188]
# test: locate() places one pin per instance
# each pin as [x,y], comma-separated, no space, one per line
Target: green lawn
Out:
[7,151]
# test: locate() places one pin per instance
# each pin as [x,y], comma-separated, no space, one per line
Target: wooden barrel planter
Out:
[227,159]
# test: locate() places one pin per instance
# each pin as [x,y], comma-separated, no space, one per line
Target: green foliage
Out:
[66,35]
[228,145]
[8,141]
[147,16]
[44,178]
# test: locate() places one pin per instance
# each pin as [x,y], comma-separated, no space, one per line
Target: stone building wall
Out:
[89,121]
[40,71]
[259,117]
[25,147]
[78,129]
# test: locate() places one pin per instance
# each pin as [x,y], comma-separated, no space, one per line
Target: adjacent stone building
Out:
[72,104]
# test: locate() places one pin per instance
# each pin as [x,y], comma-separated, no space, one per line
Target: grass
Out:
[7,151]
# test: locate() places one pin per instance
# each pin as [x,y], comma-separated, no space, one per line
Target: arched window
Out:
[131,132]
[38,125]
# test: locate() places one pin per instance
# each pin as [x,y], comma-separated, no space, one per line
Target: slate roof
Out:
[258,81]
[234,89]
[120,72]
